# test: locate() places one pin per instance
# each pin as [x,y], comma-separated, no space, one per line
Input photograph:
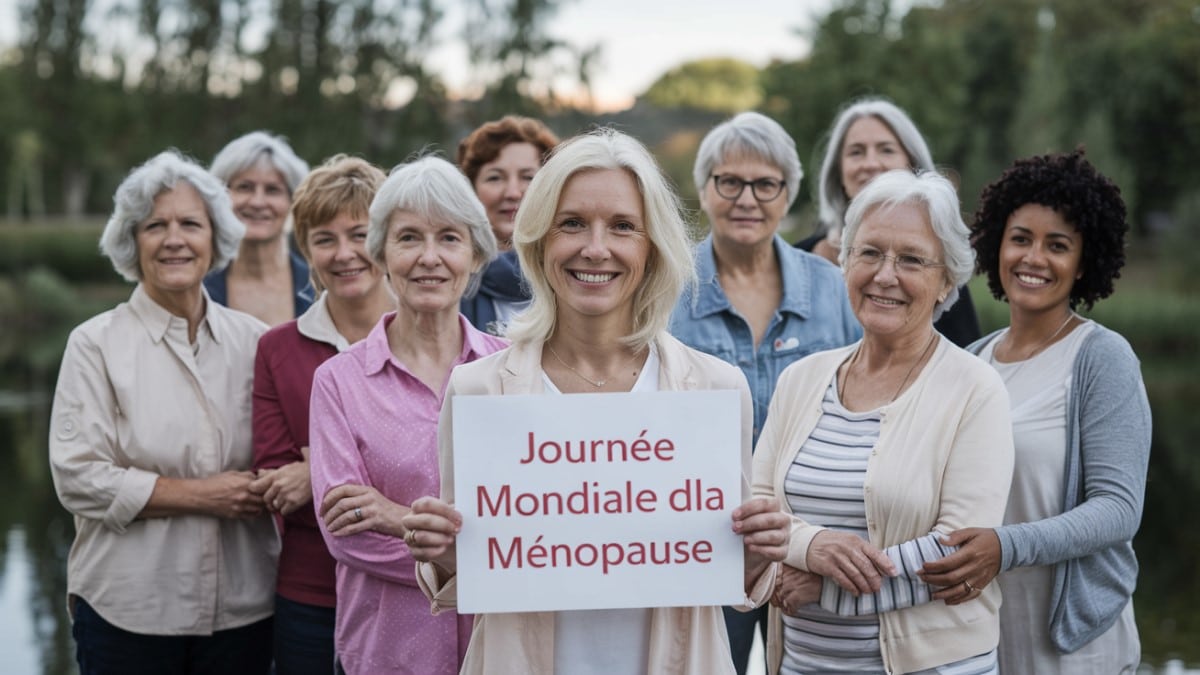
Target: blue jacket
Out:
[814,315]
[502,280]
[302,291]
[1090,543]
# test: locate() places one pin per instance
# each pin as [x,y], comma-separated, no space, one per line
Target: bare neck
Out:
[354,318]
[261,259]
[745,262]
[187,304]
[416,337]
[877,354]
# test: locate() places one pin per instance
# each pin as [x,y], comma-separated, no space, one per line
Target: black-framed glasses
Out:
[763,189]
[872,258]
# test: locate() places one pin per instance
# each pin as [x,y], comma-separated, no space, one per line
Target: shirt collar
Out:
[795,269]
[379,352]
[317,324]
[158,321]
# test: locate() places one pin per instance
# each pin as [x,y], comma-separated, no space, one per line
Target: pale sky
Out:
[641,39]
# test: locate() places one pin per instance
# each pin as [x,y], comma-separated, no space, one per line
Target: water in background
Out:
[36,533]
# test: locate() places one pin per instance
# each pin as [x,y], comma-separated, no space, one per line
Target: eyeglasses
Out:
[763,189]
[872,258]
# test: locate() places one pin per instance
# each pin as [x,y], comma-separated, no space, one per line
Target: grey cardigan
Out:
[1090,543]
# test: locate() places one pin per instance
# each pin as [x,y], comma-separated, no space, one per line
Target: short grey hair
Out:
[670,266]
[431,187]
[134,200]
[936,194]
[831,194]
[245,152]
[751,135]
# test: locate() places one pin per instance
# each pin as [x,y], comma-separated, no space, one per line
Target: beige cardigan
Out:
[944,461]
[683,640]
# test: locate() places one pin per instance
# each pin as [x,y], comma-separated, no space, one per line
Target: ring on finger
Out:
[970,588]
[358,512]
[410,537]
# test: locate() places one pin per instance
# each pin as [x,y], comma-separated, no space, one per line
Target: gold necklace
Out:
[599,384]
[1044,343]
[854,357]
[1037,350]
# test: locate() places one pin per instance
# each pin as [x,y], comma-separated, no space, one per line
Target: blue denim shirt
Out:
[814,315]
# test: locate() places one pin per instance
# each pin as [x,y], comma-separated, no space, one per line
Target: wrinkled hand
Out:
[795,588]
[284,489]
[764,528]
[434,526]
[349,509]
[850,561]
[964,574]
[228,495]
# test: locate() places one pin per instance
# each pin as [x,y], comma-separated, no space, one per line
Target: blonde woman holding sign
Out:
[606,252]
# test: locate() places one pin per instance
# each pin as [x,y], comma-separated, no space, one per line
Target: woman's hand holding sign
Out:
[765,531]
[431,531]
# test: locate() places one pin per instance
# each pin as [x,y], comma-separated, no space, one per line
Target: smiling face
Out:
[597,247]
[429,264]
[745,221]
[1040,258]
[175,242]
[886,300]
[501,183]
[338,257]
[869,149]
[261,200]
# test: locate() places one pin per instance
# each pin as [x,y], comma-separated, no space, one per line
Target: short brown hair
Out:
[342,184]
[485,143]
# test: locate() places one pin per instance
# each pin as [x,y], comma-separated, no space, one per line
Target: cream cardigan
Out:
[944,461]
[683,640]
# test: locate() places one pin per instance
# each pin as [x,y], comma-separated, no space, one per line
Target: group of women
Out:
[249,498]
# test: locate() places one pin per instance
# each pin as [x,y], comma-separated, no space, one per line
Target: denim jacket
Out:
[814,315]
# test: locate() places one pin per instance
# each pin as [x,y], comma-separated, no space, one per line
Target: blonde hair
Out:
[669,267]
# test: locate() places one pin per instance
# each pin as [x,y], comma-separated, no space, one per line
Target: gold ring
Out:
[358,512]
[410,537]
[970,588]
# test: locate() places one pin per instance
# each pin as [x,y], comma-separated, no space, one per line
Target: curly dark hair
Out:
[1084,197]
[485,143]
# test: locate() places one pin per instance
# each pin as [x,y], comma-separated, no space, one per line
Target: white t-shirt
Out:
[605,641]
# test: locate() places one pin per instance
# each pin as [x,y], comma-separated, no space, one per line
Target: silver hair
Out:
[244,152]
[670,266]
[936,194]
[751,135]
[134,200]
[831,194]
[432,188]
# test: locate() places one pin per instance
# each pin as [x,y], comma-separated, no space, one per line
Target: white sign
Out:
[598,501]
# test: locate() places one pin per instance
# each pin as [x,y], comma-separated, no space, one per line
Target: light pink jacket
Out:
[683,640]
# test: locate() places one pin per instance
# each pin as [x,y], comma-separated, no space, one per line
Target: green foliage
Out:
[988,82]
[1180,249]
[720,84]
[72,250]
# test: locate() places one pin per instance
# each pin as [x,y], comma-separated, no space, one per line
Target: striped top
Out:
[824,486]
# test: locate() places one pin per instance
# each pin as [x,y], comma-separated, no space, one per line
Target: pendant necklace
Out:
[599,384]
[1012,373]
[854,357]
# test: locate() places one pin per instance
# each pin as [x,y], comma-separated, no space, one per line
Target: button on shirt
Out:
[135,400]
[814,315]
[372,422]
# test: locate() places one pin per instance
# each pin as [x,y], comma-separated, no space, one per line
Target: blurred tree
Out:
[719,84]
[52,49]
[510,47]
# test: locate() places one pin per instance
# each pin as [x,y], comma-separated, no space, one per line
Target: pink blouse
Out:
[373,423]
